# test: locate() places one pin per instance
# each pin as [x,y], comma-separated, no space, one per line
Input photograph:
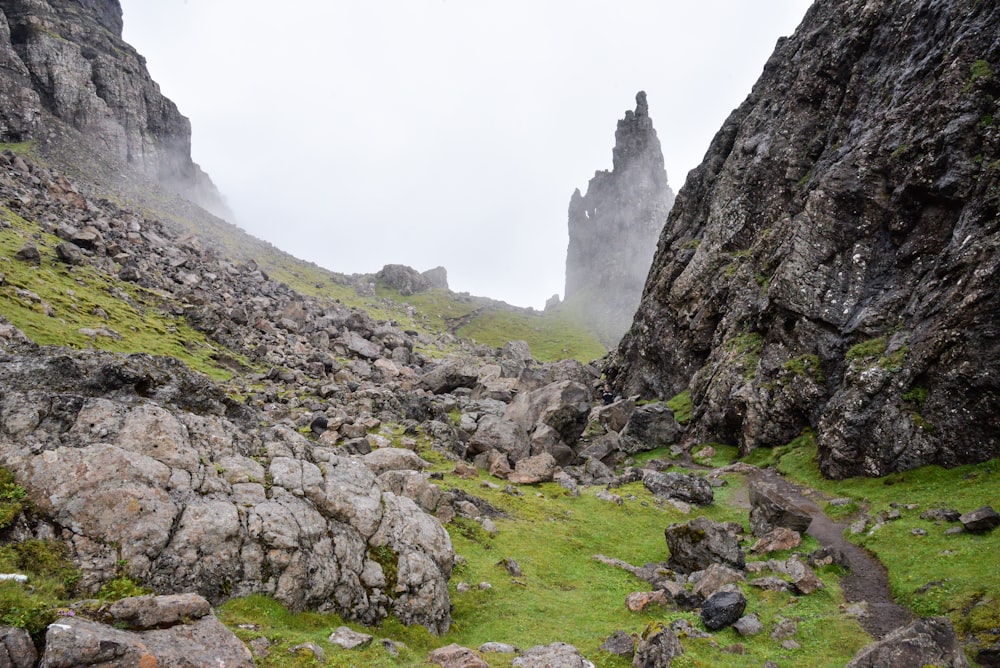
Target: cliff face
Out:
[614,227]
[67,79]
[832,264]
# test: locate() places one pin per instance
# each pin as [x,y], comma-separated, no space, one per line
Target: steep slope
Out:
[831,265]
[613,228]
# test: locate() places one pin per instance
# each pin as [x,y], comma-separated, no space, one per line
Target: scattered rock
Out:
[980,520]
[697,544]
[556,655]
[310,647]
[749,625]
[657,647]
[619,643]
[348,638]
[16,648]
[776,540]
[639,601]
[497,648]
[722,609]
[770,508]
[456,656]
[685,487]
[532,470]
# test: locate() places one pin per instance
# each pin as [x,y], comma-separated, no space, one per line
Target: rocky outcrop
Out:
[136,463]
[831,265]
[71,84]
[613,228]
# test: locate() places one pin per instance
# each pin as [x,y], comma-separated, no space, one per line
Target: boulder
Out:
[685,487]
[556,655]
[657,647]
[620,644]
[74,641]
[980,520]
[539,468]
[447,376]
[925,642]
[696,545]
[16,648]
[714,578]
[562,406]
[404,280]
[348,638]
[502,435]
[652,426]
[456,656]
[776,540]
[393,459]
[771,508]
[722,609]
[150,612]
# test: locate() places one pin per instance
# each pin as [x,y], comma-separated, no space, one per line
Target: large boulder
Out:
[651,426]
[683,486]
[723,608]
[696,545]
[925,642]
[556,655]
[770,507]
[563,407]
[657,647]
[74,641]
[502,435]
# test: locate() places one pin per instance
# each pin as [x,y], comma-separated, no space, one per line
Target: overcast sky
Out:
[442,132]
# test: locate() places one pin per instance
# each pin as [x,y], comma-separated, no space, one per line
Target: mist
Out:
[436,132]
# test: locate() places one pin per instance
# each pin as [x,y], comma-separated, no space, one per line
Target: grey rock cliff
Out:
[614,227]
[831,264]
[69,82]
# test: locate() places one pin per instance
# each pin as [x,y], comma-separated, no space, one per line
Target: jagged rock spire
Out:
[614,227]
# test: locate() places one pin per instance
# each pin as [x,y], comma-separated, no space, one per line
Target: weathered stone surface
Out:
[925,642]
[79,642]
[813,305]
[404,280]
[16,648]
[651,426]
[640,600]
[723,609]
[980,520]
[769,508]
[394,459]
[562,406]
[696,545]
[539,468]
[456,656]
[685,487]
[614,226]
[779,538]
[714,578]
[749,625]
[556,655]
[619,643]
[148,612]
[502,435]
[348,638]
[657,648]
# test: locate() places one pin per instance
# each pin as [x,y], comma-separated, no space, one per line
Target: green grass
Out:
[76,294]
[563,593]
[682,407]
[747,348]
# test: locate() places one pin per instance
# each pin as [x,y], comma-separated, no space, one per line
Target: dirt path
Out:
[867,580]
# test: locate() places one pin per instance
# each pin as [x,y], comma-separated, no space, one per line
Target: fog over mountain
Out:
[436,132]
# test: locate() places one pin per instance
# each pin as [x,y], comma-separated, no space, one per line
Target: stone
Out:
[28,253]
[456,656]
[639,601]
[777,540]
[980,520]
[532,470]
[149,612]
[697,544]
[803,578]
[925,642]
[311,647]
[722,609]
[80,642]
[502,435]
[685,487]
[16,648]
[562,406]
[771,508]
[393,459]
[749,625]
[714,578]
[657,647]
[784,629]
[620,644]
[497,648]
[348,638]
[651,426]
[556,655]
[69,253]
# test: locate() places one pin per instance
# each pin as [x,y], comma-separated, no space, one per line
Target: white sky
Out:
[442,132]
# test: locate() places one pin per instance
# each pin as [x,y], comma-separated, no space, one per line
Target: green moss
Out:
[805,365]
[979,69]
[895,360]
[866,349]
[11,498]
[917,395]
[388,559]
[122,587]
[747,347]
[682,407]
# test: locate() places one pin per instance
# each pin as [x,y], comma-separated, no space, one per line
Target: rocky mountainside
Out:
[832,264]
[613,228]
[69,83]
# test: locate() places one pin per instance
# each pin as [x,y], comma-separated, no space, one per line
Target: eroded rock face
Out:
[831,264]
[191,500]
[614,227]
[66,67]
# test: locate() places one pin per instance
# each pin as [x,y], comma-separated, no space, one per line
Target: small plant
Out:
[388,559]
[748,346]
[11,497]
[979,69]
[916,395]
[122,587]
[805,365]
[866,349]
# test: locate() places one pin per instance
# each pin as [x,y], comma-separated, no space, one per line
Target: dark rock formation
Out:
[723,609]
[69,82]
[832,263]
[930,641]
[614,227]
